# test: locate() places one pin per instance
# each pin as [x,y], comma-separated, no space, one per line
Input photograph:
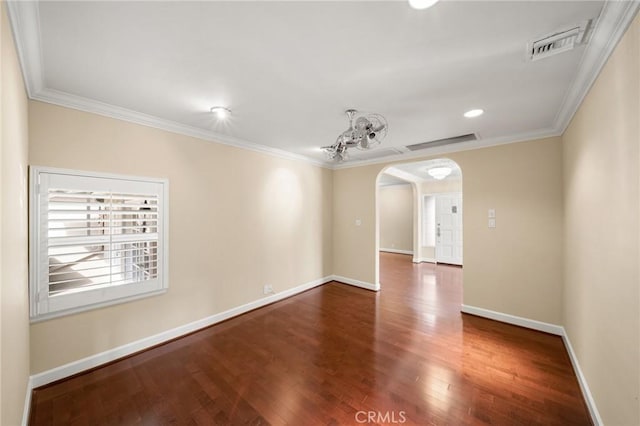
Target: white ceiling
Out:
[288,70]
[405,173]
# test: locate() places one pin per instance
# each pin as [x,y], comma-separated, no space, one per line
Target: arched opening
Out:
[432,192]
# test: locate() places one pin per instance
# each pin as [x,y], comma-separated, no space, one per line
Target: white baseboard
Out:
[515,320]
[357,283]
[551,329]
[96,360]
[26,411]
[390,250]
[93,361]
[582,381]
[423,259]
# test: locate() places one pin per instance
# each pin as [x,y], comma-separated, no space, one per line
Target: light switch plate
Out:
[358,222]
[492,212]
[492,223]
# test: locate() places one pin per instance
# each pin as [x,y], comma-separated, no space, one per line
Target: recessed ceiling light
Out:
[221,112]
[422,4]
[474,113]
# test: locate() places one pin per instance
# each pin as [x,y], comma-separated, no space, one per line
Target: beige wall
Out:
[515,268]
[238,220]
[14,305]
[396,217]
[354,246]
[601,185]
[288,223]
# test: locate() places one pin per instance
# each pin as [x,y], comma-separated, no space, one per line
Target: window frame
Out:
[40,307]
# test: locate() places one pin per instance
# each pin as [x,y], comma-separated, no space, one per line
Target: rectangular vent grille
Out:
[442,142]
[354,154]
[558,42]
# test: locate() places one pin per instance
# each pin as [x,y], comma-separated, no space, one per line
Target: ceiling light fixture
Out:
[368,131]
[422,4]
[474,113]
[439,173]
[221,112]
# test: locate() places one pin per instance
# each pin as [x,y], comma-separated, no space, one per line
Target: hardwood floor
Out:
[337,355]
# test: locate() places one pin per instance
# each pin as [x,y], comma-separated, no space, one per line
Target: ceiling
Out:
[416,172]
[288,70]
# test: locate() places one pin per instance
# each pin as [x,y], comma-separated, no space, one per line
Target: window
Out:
[95,240]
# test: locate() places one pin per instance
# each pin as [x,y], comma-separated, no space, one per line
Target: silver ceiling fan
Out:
[366,132]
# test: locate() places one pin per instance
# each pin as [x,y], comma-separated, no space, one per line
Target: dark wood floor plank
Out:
[333,356]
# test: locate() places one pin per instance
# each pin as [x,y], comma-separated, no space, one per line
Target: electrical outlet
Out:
[268,289]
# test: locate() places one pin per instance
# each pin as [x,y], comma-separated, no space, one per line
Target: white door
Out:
[449,229]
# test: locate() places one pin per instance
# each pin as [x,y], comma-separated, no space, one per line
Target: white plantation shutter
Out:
[96,239]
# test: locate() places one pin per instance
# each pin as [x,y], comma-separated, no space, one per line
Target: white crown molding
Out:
[96,107]
[610,27]
[25,22]
[615,18]
[24,17]
[459,147]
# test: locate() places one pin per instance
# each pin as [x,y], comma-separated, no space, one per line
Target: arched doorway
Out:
[436,211]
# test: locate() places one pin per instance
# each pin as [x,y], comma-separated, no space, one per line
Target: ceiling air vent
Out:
[558,42]
[373,153]
[441,142]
